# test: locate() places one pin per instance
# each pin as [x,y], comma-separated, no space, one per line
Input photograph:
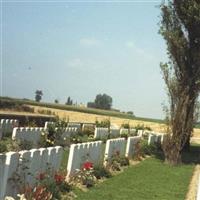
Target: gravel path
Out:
[192,192]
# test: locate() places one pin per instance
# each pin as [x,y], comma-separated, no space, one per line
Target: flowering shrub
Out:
[85,176]
[36,193]
[117,161]
[53,136]
[48,186]
[87,166]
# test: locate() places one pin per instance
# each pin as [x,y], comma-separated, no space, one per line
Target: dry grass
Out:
[85,117]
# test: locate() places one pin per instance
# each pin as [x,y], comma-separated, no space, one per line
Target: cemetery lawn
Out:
[150,179]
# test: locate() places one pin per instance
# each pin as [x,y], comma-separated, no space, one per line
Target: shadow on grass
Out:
[188,157]
[192,156]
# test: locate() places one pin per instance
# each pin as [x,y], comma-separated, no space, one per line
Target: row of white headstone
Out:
[6,127]
[69,124]
[93,152]
[27,164]
[34,135]
[155,138]
[103,133]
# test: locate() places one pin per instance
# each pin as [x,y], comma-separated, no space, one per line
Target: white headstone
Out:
[130,147]
[11,164]
[114,132]
[114,146]
[80,153]
[101,133]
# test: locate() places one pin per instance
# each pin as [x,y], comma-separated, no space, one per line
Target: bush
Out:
[142,127]
[88,131]
[125,125]
[85,176]
[148,149]
[101,172]
[118,161]
[104,123]
[25,145]
[3,147]
[124,161]
[124,135]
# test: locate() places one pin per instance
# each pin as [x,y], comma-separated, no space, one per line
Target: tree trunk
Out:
[182,126]
[187,145]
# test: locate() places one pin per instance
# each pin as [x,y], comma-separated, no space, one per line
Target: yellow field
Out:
[85,117]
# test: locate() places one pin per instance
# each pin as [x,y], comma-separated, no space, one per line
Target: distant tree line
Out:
[102,101]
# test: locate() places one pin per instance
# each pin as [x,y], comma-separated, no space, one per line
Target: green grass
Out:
[149,180]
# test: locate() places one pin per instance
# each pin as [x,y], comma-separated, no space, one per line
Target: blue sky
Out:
[81,49]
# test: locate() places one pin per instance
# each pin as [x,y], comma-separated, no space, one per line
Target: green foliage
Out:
[7,144]
[46,112]
[3,147]
[38,95]
[152,149]
[181,74]
[25,145]
[80,109]
[130,113]
[56,101]
[85,175]
[17,106]
[104,123]
[69,101]
[103,101]
[142,127]
[150,180]
[125,125]
[53,135]
[117,161]
[101,172]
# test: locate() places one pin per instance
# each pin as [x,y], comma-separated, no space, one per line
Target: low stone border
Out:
[192,191]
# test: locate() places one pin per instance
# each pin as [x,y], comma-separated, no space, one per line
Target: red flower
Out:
[41,176]
[87,165]
[59,178]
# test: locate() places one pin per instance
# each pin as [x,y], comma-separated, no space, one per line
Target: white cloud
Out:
[88,42]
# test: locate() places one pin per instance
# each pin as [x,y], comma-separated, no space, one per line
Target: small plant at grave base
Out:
[53,135]
[35,193]
[137,151]
[88,131]
[124,135]
[142,127]
[25,145]
[55,183]
[148,149]
[91,137]
[103,124]
[3,147]
[85,176]
[101,172]
[117,161]
[125,125]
